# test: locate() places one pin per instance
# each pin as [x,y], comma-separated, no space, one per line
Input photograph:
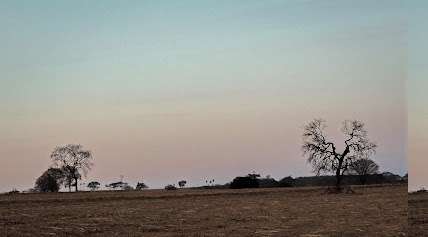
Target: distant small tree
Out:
[182,183]
[94,185]
[324,155]
[50,180]
[74,161]
[118,185]
[141,186]
[363,168]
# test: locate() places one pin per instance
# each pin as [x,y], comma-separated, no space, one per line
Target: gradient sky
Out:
[418,96]
[169,90]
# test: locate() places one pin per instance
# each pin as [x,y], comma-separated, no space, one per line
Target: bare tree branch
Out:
[322,154]
[73,160]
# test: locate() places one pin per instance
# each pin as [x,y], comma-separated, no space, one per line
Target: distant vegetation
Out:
[70,163]
[326,180]
[94,185]
[141,186]
[50,180]
[363,168]
[182,183]
[332,166]
[419,191]
[170,187]
[119,186]
[249,181]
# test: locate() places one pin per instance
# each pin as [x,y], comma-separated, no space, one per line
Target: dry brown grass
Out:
[418,214]
[372,211]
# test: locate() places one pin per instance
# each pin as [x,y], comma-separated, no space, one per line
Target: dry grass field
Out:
[418,214]
[372,211]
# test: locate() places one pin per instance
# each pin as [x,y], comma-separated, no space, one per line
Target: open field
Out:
[418,214]
[372,211]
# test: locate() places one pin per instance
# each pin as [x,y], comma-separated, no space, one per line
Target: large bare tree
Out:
[324,155]
[74,161]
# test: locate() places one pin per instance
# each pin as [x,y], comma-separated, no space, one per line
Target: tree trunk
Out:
[339,175]
[75,184]
[338,179]
[363,179]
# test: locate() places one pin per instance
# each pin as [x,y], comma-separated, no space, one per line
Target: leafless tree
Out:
[363,168]
[74,161]
[323,154]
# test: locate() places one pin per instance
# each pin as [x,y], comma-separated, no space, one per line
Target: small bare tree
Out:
[323,154]
[363,168]
[74,161]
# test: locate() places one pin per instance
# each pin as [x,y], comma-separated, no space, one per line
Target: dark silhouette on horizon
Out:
[363,168]
[323,154]
[94,185]
[50,181]
[73,161]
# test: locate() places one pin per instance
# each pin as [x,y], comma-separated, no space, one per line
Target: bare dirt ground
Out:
[418,214]
[306,212]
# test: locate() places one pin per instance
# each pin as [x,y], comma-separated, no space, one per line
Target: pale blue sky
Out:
[187,89]
[418,95]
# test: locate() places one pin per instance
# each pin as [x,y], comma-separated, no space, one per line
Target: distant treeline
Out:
[254,181]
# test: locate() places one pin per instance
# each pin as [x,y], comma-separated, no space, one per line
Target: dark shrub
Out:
[268,183]
[50,180]
[141,186]
[244,182]
[286,182]
[182,183]
[170,187]
[14,191]
[94,185]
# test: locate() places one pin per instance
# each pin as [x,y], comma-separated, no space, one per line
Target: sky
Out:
[417,96]
[197,90]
